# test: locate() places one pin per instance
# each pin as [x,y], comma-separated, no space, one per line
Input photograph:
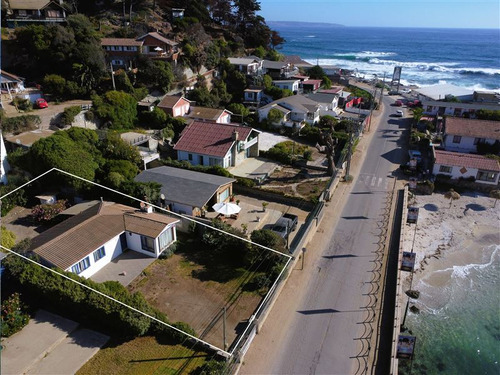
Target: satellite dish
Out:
[162,196]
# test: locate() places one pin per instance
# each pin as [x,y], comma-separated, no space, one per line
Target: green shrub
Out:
[8,237]
[20,124]
[247,182]
[22,246]
[13,316]
[169,251]
[49,289]
[69,114]
[23,104]
[17,198]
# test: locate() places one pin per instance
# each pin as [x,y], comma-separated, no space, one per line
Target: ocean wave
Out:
[463,271]
[310,36]
[418,74]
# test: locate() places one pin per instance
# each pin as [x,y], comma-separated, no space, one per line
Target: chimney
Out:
[235,135]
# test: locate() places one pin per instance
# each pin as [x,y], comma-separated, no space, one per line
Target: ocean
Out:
[464,57]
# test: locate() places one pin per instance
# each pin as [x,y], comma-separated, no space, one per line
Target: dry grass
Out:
[143,355]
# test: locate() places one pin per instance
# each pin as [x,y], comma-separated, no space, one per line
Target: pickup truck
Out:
[285,225]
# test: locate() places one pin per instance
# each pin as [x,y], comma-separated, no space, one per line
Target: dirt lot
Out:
[178,286]
[303,183]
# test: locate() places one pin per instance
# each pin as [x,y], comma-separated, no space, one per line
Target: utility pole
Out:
[224,327]
[382,90]
[371,106]
[112,76]
[349,151]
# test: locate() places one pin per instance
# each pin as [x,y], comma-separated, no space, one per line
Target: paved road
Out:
[320,333]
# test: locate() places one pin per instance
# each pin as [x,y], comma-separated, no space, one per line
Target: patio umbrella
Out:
[226,208]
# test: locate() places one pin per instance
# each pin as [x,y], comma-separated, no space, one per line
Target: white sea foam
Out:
[464,271]
[412,71]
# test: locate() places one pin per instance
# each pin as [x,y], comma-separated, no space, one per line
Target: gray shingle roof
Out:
[183,186]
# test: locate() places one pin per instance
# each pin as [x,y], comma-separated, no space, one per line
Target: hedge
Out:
[70,113]
[21,124]
[60,294]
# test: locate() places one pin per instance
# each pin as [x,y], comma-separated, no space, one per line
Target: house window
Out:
[224,195]
[22,12]
[53,14]
[200,159]
[457,139]
[445,169]
[478,140]
[81,266]
[214,161]
[117,62]
[190,157]
[148,244]
[486,176]
[166,238]
[99,254]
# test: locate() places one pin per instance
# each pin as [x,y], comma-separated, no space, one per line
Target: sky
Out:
[387,13]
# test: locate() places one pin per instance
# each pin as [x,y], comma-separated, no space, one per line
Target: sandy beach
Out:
[457,273]
[450,239]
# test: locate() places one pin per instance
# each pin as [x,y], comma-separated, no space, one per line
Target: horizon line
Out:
[389,27]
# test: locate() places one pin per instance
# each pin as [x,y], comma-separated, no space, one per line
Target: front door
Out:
[123,241]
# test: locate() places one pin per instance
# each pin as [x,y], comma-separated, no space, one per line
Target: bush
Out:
[21,124]
[46,212]
[23,104]
[426,187]
[285,152]
[13,317]
[17,198]
[247,182]
[69,114]
[169,251]
[8,237]
[51,290]
[23,246]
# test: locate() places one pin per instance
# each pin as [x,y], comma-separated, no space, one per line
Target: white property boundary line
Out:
[148,203]
[172,213]
[114,300]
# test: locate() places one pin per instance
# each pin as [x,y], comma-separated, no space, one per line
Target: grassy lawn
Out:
[144,356]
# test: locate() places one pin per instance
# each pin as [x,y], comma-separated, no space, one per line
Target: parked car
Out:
[399,113]
[41,103]
[285,225]
[398,103]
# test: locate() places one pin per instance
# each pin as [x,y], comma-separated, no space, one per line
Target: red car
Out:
[398,103]
[41,103]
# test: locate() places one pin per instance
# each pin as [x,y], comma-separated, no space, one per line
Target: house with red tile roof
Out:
[92,238]
[464,134]
[209,143]
[461,165]
[175,106]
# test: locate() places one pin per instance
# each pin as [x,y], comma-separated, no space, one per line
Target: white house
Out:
[253,95]
[226,145]
[442,91]
[461,165]
[296,109]
[434,107]
[463,135]
[290,84]
[88,241]
[328,102]
[4,164]
[248,65]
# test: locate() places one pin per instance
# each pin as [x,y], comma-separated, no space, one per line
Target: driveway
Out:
[47,115]
[49,344]
[268,140]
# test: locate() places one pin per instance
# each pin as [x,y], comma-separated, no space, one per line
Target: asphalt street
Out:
[327,317]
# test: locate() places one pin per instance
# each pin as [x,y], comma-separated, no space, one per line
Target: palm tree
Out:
[452,195]
[495,194]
